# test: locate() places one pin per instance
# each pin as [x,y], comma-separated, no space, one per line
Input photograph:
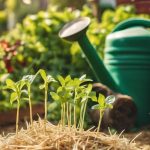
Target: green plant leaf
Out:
[96,107]
[84,99]
[29,78]
[42,86]
[61,80]
[82,77]
[109,106]
[80,95]
[68,78]
[110,99]
[60,89]
[55,96]
[50,79]
[101,100]
[89,88]
[9,88]
[10,83]
[13,97]
[43,74]
[20,84]
[92,95]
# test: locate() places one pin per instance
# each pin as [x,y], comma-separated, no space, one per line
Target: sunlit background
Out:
[29,36]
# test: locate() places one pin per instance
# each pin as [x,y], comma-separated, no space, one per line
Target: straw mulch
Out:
[62,138]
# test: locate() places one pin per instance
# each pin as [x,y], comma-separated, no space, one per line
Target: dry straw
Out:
[62,138]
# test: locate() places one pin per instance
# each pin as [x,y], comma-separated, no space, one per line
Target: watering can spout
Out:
[76,31]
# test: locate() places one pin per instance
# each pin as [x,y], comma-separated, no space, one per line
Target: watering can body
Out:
[126,65]
[127,58]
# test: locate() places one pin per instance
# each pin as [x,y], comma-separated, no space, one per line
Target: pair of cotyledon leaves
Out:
[103,102]
[71,87]
[17,87]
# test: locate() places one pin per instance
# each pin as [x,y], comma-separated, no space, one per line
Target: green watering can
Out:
[126,65]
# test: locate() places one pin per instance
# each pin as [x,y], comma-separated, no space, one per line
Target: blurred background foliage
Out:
[29,38]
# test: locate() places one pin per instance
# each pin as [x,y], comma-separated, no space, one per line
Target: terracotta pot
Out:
[10,116]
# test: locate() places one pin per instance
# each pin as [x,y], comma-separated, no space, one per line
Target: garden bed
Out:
[24,114]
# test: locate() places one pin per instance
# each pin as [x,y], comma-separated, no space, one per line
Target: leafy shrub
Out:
[35,44]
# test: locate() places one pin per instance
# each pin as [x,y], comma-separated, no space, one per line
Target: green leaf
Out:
[60,89]
[50,79]
[70,84]
[110,99]
[76,82]
[80,95]
[13,97]
[29,78]
[62,93]
[82,77]
[10,88]
[109,106]
[68,78]
[89,88]
[96,107]
[61,80]
[10,83]
[21,84]
[92,95]
[43,74]
[101,100]
[55,96]
[84,99]
[42,86]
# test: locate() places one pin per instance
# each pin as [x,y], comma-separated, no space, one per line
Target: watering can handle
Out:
[131,23]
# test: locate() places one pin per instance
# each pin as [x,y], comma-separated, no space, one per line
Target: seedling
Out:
[69,93]
[103,103]
[47,80]
[17,89]
[29,80]
[81,94]
[64,95]
[84,96]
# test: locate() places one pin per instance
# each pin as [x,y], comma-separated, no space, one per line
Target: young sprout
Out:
[70,93]
[29,80]
[47,80]
[80,93]
[64,96]
[103,103]
[17,90]
[84,96]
